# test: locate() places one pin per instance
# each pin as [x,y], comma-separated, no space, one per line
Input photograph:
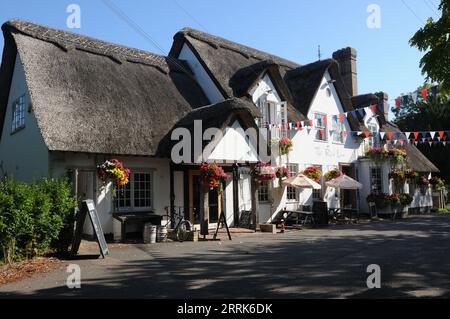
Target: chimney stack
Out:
[347,63]
[384,97]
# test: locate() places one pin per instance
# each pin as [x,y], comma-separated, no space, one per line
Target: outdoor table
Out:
[336,212]
[308,216]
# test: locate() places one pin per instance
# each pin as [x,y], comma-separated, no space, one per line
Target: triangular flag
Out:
[433,134]
[415,142]
[389,135]
[407,134]
[424,93]
[441,133]
[361,112]
[322,132]
[367,134]
[397,102]
[382,135]
[423,140]
[414,96]
[374,108]
[345,133]
[423,134]
[341,117]
[439,138]
[398,134]
[435,142]
[310,123]
[325,120]
[430,143]
[405,99]
[434,90]
[353,113]
[416,135]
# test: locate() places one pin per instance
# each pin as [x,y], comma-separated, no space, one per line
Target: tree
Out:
[434,39]
[430,115]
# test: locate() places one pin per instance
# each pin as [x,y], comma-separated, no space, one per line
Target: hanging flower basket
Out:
[212,175]
[285,145]
[113,171]
[423,181]
[263,172]
[437,183]
[379,154]
[313,173]
[411,175]
[397,175]
[335,173]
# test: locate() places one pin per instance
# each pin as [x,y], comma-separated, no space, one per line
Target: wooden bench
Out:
[125,218]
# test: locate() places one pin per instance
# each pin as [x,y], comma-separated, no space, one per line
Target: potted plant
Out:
[313,172]
[263,172]
[335,173]
[285,145]
[212,175]
[397,175]
[113,171]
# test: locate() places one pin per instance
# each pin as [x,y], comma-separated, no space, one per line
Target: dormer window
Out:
[18,114]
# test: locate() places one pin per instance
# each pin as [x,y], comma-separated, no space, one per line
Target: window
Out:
[291,192]
[338,130]
[18,114]
[321,126]
[263,192]
[317,193]
[375,180]
[137,194]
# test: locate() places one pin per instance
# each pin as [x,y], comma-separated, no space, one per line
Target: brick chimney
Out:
[347,62]
[384,97]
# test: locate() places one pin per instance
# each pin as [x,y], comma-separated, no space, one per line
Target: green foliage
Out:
[434,39]
[430,115]
[33,215]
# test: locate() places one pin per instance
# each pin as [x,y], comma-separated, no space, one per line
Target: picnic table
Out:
[341,213]
[302,217]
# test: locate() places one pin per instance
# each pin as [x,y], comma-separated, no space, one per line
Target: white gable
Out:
[234,146]
[265,86]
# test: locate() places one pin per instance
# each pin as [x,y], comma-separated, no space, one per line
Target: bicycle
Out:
[183,227]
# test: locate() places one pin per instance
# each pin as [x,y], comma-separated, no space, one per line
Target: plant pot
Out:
[267,228]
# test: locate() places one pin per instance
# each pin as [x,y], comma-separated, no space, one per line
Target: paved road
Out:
[414,256]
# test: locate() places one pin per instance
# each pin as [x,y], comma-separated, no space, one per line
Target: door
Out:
[214,202]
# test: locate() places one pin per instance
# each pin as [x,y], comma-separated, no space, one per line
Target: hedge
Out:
[35,217]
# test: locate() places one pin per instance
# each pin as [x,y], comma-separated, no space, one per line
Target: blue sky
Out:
[292,29]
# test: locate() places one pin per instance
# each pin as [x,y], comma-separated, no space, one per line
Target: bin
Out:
[149,233]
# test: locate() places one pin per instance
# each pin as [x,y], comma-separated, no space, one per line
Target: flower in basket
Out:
[394,199]
[423,181]
[282,172]
[405,199]
[285,145]
[264,172]
[313,172]
[335,173]
[212,175]
[397,175]
[411,174]
[113,171]
[437,182]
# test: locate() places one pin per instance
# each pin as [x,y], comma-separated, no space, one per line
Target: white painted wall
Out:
[61,162]
[202,77]
[23,155]
[234,146]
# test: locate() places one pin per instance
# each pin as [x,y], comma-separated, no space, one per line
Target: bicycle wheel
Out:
[183,230]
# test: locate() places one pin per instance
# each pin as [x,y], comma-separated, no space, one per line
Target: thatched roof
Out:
[92,96]
[217,115]
[228,61]
[416,159]
[304,82]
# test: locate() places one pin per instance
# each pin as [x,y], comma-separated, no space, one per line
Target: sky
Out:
[292,29]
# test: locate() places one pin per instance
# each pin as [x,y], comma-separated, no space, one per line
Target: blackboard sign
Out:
[88,207]
[245,221]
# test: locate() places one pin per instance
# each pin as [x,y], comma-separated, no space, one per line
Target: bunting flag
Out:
[374,108]
[434,90]
[433,134]
[341,117]
[397,102]
[414,96]
[405,99]
[424,93]
[390,134]
[382,134]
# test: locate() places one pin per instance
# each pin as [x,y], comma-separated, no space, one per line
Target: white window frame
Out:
[338,130]
[18,114]
[293,170]
[264,190]
[324,138]
[373,179]
[131,183]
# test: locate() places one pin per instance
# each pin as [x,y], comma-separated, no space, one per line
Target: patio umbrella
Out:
[344,182]
[301,181]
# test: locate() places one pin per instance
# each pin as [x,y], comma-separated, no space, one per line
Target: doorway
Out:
[214,202]
[348,197]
